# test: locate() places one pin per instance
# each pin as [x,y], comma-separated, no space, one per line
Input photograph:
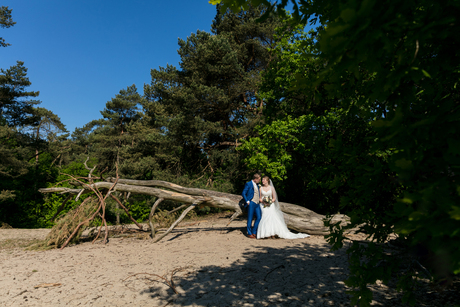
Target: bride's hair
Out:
[268,179]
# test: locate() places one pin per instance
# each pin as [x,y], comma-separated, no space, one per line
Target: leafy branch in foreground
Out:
[399,72]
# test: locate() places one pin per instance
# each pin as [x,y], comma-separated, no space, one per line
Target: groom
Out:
[251,198]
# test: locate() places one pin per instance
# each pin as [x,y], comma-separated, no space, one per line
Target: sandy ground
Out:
[210,264]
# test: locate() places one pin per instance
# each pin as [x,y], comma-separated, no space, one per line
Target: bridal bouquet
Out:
[267,200]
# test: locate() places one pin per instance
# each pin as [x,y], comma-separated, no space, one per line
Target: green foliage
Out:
[139,208]
[6,21]
[26,208]
[399,71]
[310,141]
[29,142]
[16,107]
[52,202]
[272,149]
[192,117]
[206,107]
[109,139]
[66,225]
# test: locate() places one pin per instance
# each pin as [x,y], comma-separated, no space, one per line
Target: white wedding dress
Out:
[272,222]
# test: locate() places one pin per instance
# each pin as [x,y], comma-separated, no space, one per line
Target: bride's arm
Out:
[273,194]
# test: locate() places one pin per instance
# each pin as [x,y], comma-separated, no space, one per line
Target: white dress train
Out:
[272,222]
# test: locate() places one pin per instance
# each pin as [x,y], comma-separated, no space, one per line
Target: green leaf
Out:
[455,213]
[407,200]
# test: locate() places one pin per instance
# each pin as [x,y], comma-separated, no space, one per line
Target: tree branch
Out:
[175,223]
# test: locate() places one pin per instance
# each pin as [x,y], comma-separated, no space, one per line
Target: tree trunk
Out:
[297,217]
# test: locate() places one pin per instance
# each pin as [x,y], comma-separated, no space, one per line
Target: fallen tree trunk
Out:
[297,218]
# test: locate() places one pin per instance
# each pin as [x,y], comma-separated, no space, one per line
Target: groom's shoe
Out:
[252,236]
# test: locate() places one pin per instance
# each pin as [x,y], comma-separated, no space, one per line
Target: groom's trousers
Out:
[253,211]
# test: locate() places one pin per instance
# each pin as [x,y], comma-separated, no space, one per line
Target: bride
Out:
[272,222]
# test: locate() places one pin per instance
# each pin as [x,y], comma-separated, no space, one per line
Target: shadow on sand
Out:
[301,275]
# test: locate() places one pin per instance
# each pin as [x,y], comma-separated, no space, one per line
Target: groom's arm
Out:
[247,187]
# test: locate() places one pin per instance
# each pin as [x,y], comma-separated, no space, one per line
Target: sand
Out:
[211,264]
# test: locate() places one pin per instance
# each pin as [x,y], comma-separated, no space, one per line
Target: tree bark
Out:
[152,212]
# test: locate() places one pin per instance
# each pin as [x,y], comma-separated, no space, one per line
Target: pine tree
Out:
[210,104]
[108,137]
[6,21]
[16,107]
[16,110]
[27,132]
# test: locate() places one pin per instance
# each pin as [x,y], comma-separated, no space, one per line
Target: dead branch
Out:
[176,209]
[101,206]
[127,211]
[91,170]
[152,212]
[99,229]
[169,282]
[106,231]
[79,225]
[234,216]
[175,223]
[79,194]
[161,184]
[82,204]
[297,218]
[155,275]
[61,207]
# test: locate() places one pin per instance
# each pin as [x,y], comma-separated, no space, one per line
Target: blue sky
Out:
[80,54]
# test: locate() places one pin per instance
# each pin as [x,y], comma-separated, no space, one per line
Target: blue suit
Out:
[253,208]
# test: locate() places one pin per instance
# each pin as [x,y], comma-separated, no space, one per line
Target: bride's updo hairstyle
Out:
[268,179]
